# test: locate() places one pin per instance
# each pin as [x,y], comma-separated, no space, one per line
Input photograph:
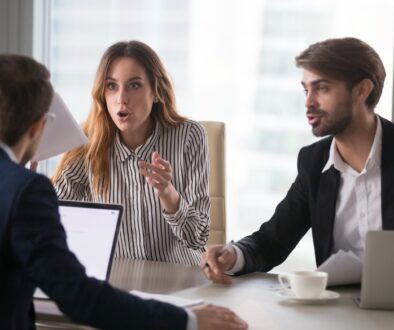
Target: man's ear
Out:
[37,127]
[363,89]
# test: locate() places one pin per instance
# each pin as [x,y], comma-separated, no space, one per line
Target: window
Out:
[231,61]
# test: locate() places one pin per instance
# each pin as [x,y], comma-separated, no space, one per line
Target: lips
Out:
[123,114]
[313,118]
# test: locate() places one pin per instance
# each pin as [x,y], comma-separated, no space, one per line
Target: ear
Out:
[363,89]
[37,128]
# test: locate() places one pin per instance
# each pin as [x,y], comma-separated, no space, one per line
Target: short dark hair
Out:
[25,95]
[347,59]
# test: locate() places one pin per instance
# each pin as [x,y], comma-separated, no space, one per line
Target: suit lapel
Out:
[387,173]
[325,213]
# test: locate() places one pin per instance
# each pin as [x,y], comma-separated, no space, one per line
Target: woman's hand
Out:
[159,175]
[33,165]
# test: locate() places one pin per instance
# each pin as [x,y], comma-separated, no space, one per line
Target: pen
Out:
[218,254]
[204,266]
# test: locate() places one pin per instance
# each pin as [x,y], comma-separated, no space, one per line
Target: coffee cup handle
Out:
[284,281]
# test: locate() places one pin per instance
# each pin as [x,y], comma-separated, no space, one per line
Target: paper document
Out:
[342,268]
[61,133]
[174,300]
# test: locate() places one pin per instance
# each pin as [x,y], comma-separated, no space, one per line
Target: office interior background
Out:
[230,61]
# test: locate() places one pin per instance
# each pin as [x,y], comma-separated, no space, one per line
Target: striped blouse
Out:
[146,231]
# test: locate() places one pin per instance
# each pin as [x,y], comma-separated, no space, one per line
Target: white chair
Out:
[216,151]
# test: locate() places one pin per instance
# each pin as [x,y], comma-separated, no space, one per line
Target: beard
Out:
[332,123]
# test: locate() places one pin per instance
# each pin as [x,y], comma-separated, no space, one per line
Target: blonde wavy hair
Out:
[99,127]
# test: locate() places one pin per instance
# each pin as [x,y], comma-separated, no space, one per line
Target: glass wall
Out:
[230,61]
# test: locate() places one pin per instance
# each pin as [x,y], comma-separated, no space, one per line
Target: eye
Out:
[133,85]
[322,88]
[111,85]
[305,91]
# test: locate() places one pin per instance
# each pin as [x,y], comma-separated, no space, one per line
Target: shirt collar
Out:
[374,157]
[144,151]
[8,151]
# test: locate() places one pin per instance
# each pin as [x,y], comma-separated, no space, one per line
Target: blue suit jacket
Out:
[34,252]
[311,203]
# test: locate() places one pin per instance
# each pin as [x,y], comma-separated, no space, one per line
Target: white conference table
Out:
[252,296]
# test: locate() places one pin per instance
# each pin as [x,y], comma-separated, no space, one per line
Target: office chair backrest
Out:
[216,145]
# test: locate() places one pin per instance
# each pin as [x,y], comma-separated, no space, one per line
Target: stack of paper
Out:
[342,268]
[61,134]
[174,300]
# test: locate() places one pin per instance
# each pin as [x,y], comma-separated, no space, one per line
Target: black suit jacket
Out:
[34,252]
[311,203]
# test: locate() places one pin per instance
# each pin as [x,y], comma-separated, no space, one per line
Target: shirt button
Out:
[362,215]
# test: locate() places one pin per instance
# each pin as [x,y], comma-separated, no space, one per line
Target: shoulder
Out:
[22,188]
[317,147]
[37,183]
[20,176]
[316,154]
[386,123]
[75,166]
[387,129]
[195,126]
[188,130]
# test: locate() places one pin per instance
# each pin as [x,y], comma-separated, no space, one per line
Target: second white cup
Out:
[305,284]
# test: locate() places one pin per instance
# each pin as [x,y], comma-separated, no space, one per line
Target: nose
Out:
[122,96]
[310,100]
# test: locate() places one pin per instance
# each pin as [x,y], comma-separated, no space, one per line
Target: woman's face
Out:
[129,97]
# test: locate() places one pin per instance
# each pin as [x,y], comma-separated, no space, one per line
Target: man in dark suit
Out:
[33,248]
[345,182]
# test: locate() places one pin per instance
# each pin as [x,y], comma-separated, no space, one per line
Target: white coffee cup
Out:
[305,284]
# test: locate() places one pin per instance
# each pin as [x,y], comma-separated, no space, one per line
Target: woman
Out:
[144,155]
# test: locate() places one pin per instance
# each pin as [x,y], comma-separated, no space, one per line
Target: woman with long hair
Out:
[144,155]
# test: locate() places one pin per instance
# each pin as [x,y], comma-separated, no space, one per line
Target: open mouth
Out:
[313,119]
[123,114]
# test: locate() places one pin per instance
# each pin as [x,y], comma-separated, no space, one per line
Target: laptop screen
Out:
[92,231]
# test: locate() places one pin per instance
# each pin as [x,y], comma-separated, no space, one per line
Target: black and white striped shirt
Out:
[146,231]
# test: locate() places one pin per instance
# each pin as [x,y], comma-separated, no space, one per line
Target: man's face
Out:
[329,104]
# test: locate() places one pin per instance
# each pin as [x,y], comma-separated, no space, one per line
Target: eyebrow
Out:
[128,80]
[317,81]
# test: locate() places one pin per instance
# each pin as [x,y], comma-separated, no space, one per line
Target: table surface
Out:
[253,296]
[129,274]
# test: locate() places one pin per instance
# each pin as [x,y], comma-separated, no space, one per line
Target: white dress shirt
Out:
[358,207]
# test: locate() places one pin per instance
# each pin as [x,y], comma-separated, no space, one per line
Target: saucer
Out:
[324,297]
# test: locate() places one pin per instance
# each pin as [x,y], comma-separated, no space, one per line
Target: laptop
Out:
[377,283]
[92,230]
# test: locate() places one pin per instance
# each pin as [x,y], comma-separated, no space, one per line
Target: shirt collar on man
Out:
[8,151]
[374,157]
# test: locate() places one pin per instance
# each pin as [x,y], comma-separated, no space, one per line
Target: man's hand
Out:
[216,260]
[211,317]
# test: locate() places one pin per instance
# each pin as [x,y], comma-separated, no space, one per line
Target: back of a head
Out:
[25,95]
[347,59]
